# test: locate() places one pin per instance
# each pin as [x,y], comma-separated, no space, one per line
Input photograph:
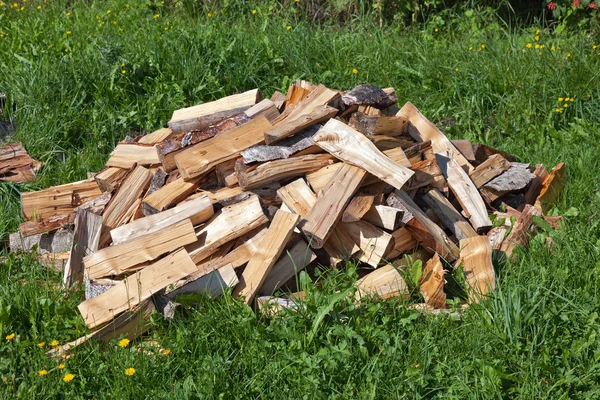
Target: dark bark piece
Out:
[283,149]
[466,149]
[483,152]
[513,180]
[489,169]
[158,181]
[369,95]
[363,123]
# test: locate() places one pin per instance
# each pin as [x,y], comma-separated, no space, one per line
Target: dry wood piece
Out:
[136,288]
[16,165]
[170,194]
[519,235]
[432,283]
[384,217]
[483,152]
[466,193]
[403,243]
[158,180]
[126,155]
[476,259]
[200,158]
[358,207]
[373,243]
[385,282]
[212,284]
[203,115]
[270,248]
[551,188]
[58,200]
[156,136]
[319,96]
[49,224]
[496,236]
[466,149]
[328,209]
[535,187]
[283,149]
[290,127]
[266,108]
[55,261]
[449,216]
[278,99]
[88,227]
[282,169]
[296,93]
[119,259]
[226,175]
[350,146]
[489,169]
[110,178]
[421,129]
[515,179]
[369,95]
[390,126]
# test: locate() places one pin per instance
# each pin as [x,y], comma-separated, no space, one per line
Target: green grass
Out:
[538,337]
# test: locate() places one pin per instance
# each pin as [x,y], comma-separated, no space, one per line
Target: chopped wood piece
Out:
[170,194]
[435,239]
[156,136]
[350,146]
[476,259]
[203,115]
[427,173]
[278,99]
[328,209]
[449,216]
[226,175]
[421,129]
[283,149]
[212,284]
[97,205]
[289,127]
[466,193]
[266,108]
[363,123]
[52,242]
[390,126]
[496,236]
[369,95]
[110,178]
[403,243]
[232,222]
[385,282]
[126,155]
[291,262]
[295,94]
[431,284]
[318,179]
[15,163]
[203,156]
[551,188]
[136,288]
[270,248]
[417,153]
[514,179]
[387,142]
[58,200]
[483,152]
[88,227]
[372,241]
[283,169]
[489,169]
[384,217]
[358,207]
[319,96]
[519,234]
[158,180]
[121,258]
[48,224]
[466,149]
[536,184]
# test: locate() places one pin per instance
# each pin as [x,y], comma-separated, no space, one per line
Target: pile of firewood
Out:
[16,165]
[244,193]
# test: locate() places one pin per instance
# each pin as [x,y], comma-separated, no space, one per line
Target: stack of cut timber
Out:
[245,192]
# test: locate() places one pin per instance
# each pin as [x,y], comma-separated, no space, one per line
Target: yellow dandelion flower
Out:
[21,9]
[552,48]
[124,342]
[68,377]
[126,5]
[39,7]
[66,50]
[122,64]
[572,99]
[560,99]
[166,352]
[15,5]
[68,32]
[61,366]
[528,45]
[130,371]
[483,45]
[69,14]
[594,47]
[539,53]
[297,1]
[568,54]
[10,337]
[470,48]
[456,69]
[537,32]
[2,4]
[41,345]
[289,27]
[354,71]
[542,46]
[537,46]
[123,72]
[42,372]
[108,11]
[537,38]
[435,30]
[209,15]
[166,28]
[558,110]
[253,12]
[565,105]
[54,343]
[156,16]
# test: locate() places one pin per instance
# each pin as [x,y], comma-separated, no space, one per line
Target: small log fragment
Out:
[384,282]
[226,175]
[110,178]
[278,99]
[535,187]
[48,224]
[449,216]
[318,97]
[88,228]
[213,284]
[384,217]
[403,243]
[97,205]
[369,95]
[289,127]
[483,152]
[476,260]
[57,241]
[270,248]
[158,180]
[431,284]
[126,155]
[16,165]
[391,126]
[551,188]
[466,149]
[266,107]
[156,136]
[514,179]
[519,235]
[170,194]
[57,200]
[489,169]
[283,149]
[358,207]
[373,243]
[363,123]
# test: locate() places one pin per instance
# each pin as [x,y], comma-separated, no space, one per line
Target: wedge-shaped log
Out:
[476,259]
[384,282]
[449,216]
[516,178]
[126,155]
[465,147]
[88,227]
[197,210]
[421,129]
[431,284]
[318,97]
[156,136]
[282,169]
[115,260]
[203,115]
[136,288]
[354,148]
[551,188]
[358,207]
[48,224]
[122,205]
[403,243]
[519,234]
[202,157]
[265,107]
[230,223]
[58,200]
[466,193]
[110,178]
[372,241]
[535,187]
[226,175]
[170,194]
[489,169]
[271,246]
[289,127]
[384,217]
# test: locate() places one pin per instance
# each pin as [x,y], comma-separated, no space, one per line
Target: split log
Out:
[88,228]
[278,99]
[363,123]
[57,241]
[170,194]
[265,107]
[373,243]
[136,288]
[282,149]
[110,178]
[16,165]
[270,248]
[403,243]
[126,155]
[203,156]
[212,284]
[358,207]
[483,152]
[419,152]
[57,200]
[48,224]
[289,127]
[431,284]
[519,235]
[158,181]
[384,282]
[449,216]
[489,169]
[390,126]
[226,175]
[476,260]
[551,188]
[384,217]
[95,206]
[318,97]
[515,179]
[369,95]
[203,115]
[156,136]
[466,149]
[535,187]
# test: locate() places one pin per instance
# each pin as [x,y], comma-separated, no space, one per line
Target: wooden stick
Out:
[384,282]
[126,155]
[88,227]
[449,216]
[489,169]
[170,194]
[432,283]
[49,224]
[476,259]
[110,178]
[156,136]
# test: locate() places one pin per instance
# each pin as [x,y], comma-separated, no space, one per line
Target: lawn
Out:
[84,75]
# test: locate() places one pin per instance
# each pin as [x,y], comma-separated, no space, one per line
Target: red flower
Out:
[552,6]
[576,3]
[593,6]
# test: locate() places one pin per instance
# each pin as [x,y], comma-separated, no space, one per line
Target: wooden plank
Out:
[421,129]
[203,115]
[372,241]
[136,288]
[403,243]
[88,227]
[328,208]
[291,262]
[384,282]
[551,188]
[354,148]
[384,217]
[278,170]
[535,187]
[358,207]
[431,284]
[202,157]
[48,224]
[156,136]
[449,216]
[126,155]
[476,260]
[489,169]
[170,194]
[289,127]
[57,200]
[465,192]
[270,248]
[110,178]
[230,223]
